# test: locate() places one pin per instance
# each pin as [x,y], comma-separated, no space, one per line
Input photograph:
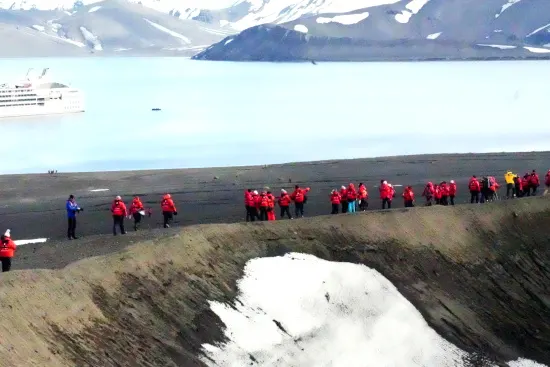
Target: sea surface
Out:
[224,114]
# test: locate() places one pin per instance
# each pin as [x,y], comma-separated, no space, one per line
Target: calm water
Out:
[219,114]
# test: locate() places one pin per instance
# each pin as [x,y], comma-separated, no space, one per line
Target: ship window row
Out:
[18,100]
[17,105]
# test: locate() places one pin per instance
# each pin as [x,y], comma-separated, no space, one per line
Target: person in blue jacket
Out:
[72,209]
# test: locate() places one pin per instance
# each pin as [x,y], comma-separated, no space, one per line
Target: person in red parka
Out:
[428,193]
[284,204]
[385,194]
[444,193]
[264,205]
[168,210]
[335,200]
[248,201]
[137,211]
[253,206]
[270,206]
[344,199]
[547,182]
[452,191]
[363,197]
[118,209]
[299,198]
[534,182]
[7,250]
[475,189]
[408,197]
[352,198]
[437,194]
[525,183]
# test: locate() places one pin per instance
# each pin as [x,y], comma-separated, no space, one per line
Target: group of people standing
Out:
[261,206]
[119,211]
[527,185]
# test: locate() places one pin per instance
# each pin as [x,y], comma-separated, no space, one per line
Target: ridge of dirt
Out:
[479,274]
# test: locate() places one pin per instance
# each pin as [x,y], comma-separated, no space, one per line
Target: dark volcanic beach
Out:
[33,206]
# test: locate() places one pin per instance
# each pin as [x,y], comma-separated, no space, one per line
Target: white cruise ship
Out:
[38,96]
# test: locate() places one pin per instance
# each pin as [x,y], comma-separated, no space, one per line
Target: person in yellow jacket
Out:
[510,188]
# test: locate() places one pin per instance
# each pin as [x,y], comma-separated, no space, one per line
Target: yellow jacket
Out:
[509,177]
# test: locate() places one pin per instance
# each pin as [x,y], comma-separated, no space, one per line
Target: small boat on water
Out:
[156,109]
[37,95]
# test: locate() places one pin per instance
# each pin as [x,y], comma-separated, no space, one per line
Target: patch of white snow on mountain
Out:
[299,310]
[502,47]
[91,38]
[168,31]
[537,50]
[347,19]
[413,7]
[506,6]
[281,11]
[525,363]
[228,41]
[39,28]
[300,28]
[433,36]
[217,32]
[224,23]
[94,9]
[538,30]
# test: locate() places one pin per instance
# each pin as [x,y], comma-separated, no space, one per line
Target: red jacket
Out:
[7,248]
[363,193]
[257,199]
[119,208]
[271,201]
[473,185]
[525,182]
[547,179]
[299,195]
[335,198]
[437,193]
[385,192]
[284,200]
[344,194]
[264,201]
[444,190]
[136,206]
[408,195]
[167,204]
[429,190]
[534,180]
[452,189]
[248,199]
[351,194]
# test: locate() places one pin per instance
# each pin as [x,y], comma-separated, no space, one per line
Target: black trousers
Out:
[71,227]
[519,193]
[534,188]
[386,201]
[409,204]
[263,213]
[118,220]
[474,197]
[137,220]
[335,209]
[510,190]
[444,200]
[344,206]
[452,197]
[299,207]
[285,210]
[167,218]
[6,263]
[248,213]
[364,205]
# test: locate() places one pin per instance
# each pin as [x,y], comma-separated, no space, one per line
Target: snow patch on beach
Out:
[300,28]
[525,363]
[91,38]
[502,47]
[28,242]
[413,8]
[433,36]
[537,50]
[506,6]
[299,310]
[98,190]
[168,31]
[344,19]
[94,9]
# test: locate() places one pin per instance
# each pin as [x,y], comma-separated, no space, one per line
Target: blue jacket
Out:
[72,208]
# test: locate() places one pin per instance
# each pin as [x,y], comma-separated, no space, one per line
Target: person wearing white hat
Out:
[452,191]
[118,209]
[7,250]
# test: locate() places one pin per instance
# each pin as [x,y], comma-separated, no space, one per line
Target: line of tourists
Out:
[527,185]
[261,206]
[119,211]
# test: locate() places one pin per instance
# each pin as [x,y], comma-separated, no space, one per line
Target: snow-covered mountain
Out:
[388,29]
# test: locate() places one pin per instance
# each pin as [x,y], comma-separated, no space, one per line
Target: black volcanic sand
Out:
[479,274]
[33,206]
